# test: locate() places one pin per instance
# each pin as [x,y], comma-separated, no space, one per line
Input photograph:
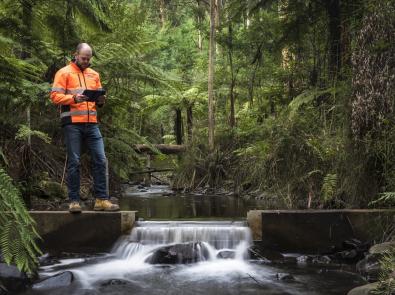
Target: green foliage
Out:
[329,187]
[386,277]
[17,234]
[24,132]
[385,199]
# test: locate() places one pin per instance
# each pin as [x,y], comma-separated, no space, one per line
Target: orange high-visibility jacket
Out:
[70,80]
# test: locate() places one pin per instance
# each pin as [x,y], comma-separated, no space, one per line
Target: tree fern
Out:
[17,233]
[329,187]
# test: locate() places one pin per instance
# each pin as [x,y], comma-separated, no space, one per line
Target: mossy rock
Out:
[52,189]
[363,290]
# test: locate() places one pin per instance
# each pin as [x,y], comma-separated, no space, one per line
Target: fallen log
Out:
[168,149]
[152,171]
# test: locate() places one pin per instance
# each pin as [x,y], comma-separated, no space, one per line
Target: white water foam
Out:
[131,252]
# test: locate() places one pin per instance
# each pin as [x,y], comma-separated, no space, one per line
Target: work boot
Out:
[75,207]
[105,205]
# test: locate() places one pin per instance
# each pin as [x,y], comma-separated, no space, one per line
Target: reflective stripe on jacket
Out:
[71,80]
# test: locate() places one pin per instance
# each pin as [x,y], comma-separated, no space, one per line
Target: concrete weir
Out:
[87,232]
[314,230]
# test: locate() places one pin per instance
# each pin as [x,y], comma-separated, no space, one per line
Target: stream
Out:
[191,256]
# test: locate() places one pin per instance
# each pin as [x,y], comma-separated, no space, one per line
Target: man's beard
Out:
[83,67]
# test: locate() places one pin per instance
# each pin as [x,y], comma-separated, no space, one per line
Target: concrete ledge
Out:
[89,231]
[312,230]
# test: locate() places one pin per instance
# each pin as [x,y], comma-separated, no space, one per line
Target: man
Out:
[80,125]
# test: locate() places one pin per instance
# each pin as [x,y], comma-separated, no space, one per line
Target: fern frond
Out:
[17,233]
[329,187]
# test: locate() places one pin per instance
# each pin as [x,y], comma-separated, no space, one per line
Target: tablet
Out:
[93,94]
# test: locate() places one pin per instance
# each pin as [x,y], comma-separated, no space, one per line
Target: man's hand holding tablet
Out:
[93,95]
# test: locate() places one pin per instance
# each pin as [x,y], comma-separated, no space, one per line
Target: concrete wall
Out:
[87,232]
[313,230]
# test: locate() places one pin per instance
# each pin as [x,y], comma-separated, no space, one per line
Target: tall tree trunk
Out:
[211,65]
[199,21]
[335,54]
[162,133]
[178,126]
[232,120]
[162,12]
[189,123]
[287,55]
[67,28]
[27,17]
[252,84]
[218,8]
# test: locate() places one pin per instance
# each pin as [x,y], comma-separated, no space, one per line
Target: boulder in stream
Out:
[63,279]
[12,278]
[285,277]
[179,253]
[226,254]
[363,290]
[314,259]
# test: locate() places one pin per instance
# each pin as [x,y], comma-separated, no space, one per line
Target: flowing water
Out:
[126,269]
[156,203]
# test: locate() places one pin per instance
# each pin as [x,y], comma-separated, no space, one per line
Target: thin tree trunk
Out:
[218,8]
[232,120]
[162,12]
[252,84]
[27,17]
[178,126]
[189,123]
[335,54]
[211,68]
[199,21]
[162,133]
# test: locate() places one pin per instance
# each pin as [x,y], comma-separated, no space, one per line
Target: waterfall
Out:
[208,240]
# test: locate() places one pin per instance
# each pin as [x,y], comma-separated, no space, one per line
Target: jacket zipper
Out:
[83,76]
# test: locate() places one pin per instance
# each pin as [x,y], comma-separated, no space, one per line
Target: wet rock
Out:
[178,253]
[314,259]
[265,254]
[304,259]
[47,259]
[12,279]
[226,254]
[348,255]
[290,260]
[351,251]
[63,279]
[355,244]
[363,290]
[3,290]
[116,282]
[369,266]
[285,277]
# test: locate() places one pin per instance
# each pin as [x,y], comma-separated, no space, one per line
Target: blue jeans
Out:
[75,135]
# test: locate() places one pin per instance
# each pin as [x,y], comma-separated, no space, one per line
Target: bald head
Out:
[83,55]
[83,47]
